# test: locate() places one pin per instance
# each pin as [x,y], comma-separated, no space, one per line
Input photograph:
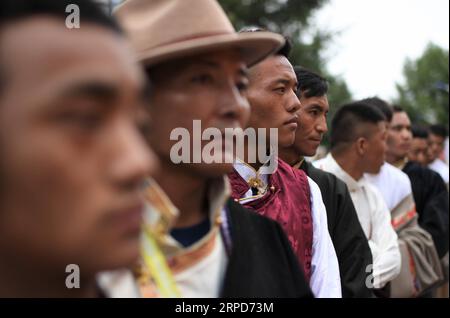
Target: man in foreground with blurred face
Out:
[72,157]
[202,242]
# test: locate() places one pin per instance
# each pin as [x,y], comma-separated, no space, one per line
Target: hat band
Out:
[192,37]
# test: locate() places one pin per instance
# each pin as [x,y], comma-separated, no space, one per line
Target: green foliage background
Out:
[424,93]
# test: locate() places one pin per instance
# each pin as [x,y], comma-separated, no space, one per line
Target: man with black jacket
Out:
[202,242]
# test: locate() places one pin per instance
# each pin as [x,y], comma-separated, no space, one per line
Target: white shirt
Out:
[440,167]
[375,219]
[393,184]
[118,284]
[325,278]
[204,279]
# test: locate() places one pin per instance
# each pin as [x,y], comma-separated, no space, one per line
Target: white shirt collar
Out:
[247,172]
[335,168]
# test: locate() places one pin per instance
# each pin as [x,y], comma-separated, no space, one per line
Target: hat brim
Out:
[253,47]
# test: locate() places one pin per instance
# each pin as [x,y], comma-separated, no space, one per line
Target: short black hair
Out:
[348,118]
[285,50]
[439,130]
[382,105]
[398,109]
[310,84]
[419,131]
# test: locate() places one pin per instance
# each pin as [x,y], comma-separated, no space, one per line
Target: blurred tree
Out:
[288,17]
[292,19]
[424,93]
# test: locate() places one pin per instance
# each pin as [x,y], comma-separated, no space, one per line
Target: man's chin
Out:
[311,152]
[286,142]
[125,256]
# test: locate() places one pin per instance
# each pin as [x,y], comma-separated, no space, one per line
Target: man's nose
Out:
[406,134]
[322,126]
[293,104]
[233,104]
[132,159]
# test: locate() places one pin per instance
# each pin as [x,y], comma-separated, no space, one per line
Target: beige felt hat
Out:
[161,30]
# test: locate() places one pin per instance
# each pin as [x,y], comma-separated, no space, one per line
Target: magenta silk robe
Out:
[288,202]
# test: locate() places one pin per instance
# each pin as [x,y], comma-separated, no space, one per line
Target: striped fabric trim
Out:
[403,213]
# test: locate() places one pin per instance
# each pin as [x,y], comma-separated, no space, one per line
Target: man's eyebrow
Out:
[400,126]
[201,62]
[314,105]
[242,71]
[93,89]
[284,81]
[192,65]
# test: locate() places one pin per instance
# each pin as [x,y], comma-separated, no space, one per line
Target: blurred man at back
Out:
[416,245]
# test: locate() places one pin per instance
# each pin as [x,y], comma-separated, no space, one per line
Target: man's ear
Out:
[361,145]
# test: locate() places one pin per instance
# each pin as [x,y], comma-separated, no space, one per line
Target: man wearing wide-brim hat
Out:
[197,242]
